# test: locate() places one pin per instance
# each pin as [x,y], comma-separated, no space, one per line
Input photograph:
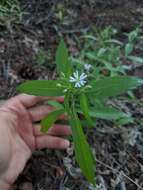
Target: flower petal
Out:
[83,76]
[77,85]
[76,75]
[72,79]
[79,80]
[87,66]
[83,82]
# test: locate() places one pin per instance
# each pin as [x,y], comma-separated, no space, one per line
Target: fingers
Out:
[51,142]
[29,100]
[39,112]
[60,130]
[56,130]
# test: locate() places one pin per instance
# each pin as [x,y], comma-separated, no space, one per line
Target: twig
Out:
[117,172]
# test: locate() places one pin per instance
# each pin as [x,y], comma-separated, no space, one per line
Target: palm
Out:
[20,136]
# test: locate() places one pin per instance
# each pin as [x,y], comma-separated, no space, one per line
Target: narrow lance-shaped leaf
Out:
[102,111]
[85,108]
[83,153]
[136,59]
[107,113]
[55,104]
[99,110]
[125,120]
[51,118]
[62,61]
[128,49]
[113,86]
[42,88]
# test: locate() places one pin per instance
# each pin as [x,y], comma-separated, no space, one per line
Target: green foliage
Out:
[106,53]
[55,104]
[132,38]
[128,49]
[107,113]
[10,11]
[62,60]
[83,153]
[43,88]
[85,108]
[8,6]
[85,93]
[136,59]
[113,86]
[48,121]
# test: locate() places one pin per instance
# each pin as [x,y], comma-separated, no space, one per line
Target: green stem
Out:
[67,104]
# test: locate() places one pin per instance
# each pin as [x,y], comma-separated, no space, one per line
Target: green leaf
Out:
[128,49]
[125,120]
[132,36]
[89,37]
[55,104]
[51,118]
[42,88]
[83,153]
[114,41]
[91,55]
[101,52]
[136,59]
[107,113]
[113,86]
[85,108]
[62,60]
[103,112]
[97,103]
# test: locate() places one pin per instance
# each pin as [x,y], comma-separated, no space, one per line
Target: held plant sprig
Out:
[79,91]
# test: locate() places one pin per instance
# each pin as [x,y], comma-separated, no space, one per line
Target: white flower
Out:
[87,66]
[79,80]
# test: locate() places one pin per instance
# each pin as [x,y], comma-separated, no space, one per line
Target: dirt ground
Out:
[119,151]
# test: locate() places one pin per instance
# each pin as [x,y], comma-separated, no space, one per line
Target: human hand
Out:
[19,135]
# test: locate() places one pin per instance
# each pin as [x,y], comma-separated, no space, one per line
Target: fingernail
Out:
[66,143]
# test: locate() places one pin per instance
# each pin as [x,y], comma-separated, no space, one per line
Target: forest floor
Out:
[119,151]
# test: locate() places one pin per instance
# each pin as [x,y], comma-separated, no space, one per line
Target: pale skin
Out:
[20,136]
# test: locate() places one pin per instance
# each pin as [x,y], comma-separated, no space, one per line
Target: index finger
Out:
[29,100]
